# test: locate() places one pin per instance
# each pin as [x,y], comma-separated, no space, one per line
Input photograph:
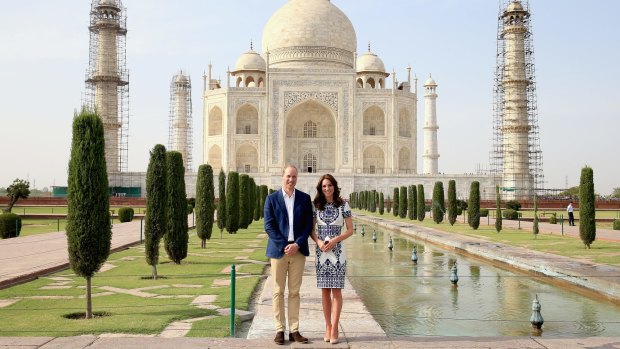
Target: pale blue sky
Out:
[44,56]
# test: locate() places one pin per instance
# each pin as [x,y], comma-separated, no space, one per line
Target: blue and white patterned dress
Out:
[331,266]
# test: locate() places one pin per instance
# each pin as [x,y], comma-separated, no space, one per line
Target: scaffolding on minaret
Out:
[107,81]
[516,158]
[180,124]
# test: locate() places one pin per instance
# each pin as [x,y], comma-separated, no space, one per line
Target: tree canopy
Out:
[20,189]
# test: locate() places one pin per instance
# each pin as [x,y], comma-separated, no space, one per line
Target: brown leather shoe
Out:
[297,337]
[279,338]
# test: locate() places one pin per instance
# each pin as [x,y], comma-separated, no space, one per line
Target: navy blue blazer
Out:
[276,223]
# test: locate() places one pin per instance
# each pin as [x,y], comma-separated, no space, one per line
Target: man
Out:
[288,222]
[571,217]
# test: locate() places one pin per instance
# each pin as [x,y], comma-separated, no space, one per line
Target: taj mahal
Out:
[312,98]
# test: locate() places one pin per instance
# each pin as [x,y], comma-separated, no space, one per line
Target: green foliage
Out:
[10,225]
[388,204]
[473,210]
[484,212]
[421,203]
[396,202]
[176,237]
[244,200]
[381,203]
[20,189]
[587,211]
[205,203]
[155,218]
[232,202]
[88,229]
[221,203]
[373,201]
[615,193]
[616,224]
[257,205]
[190,209]
[191,202]
[402,203]
[513,205]
[125,214]
[553,219]
[511,214]
[452,208]
[438,203]
[263,196]
[572,192]
[498,210]
[412,198]
[535,229]
[376,201]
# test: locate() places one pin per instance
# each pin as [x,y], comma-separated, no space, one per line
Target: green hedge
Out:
[616,224]
[8,224]
[553,219]
[125,214]
[484,212]
[510,214]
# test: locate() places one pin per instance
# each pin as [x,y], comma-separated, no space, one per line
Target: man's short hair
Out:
[289,166]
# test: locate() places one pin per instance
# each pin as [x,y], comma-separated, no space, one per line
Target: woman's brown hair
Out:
[319,199]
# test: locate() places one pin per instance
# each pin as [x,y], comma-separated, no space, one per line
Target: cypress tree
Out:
[535,226]
[376,201]
[89,232]
[381,207]
[221,201]
[438,204]
[587,219]
[244,200]
[176,237]
[373,201]
[452,211]
[396,202]
[263,196]
[205,203]
[252,201]
[388,204]
[498,210]
[414,199]
[421,204]
[232,203]
[410,202]
[473,208]
[402,202]
[155,218]
[256,201]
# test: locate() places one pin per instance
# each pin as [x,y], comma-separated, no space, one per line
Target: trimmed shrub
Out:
[420,205]
[395,201]
[125,214]
[221,201]
[244,201]
[438,205]
[452,207]
[232,203]
[513,205]
[553,219]
[498,210]
[155,217]
[176,238]
[402,203]
[616,225]
[191,202]
[205,203]
[484,212]
[10,225]
[388,204]
[474,205]
[381,203]
[510,214]
[411,202]
[587,211]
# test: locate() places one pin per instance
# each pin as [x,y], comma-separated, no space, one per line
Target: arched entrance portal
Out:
[310,140]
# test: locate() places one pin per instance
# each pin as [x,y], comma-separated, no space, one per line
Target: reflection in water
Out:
[410,299]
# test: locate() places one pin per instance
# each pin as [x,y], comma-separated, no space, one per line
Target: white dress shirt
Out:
[290,203]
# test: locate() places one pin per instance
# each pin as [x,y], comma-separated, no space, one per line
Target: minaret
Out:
[431,154]
[515,105]
[107,88]
[180,132]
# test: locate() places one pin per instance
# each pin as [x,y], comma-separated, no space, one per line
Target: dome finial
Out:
[368,46]
[251,45]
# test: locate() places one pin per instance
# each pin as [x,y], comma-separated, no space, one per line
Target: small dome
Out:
[250,61]
[515,6]
[370,62]
[430,82]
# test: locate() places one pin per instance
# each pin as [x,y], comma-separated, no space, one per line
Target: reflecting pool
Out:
[418,299]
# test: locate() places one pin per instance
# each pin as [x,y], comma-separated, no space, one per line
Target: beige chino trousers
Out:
[293,267]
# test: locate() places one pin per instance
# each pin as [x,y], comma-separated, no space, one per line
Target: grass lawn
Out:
[603,252]
[41,226]
[20,210]
[41,304]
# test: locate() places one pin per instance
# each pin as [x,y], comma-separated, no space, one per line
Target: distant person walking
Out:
[571,216]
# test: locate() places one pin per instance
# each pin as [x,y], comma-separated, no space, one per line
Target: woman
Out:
[330,214]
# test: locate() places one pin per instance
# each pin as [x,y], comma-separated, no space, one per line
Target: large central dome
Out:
[309,32]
